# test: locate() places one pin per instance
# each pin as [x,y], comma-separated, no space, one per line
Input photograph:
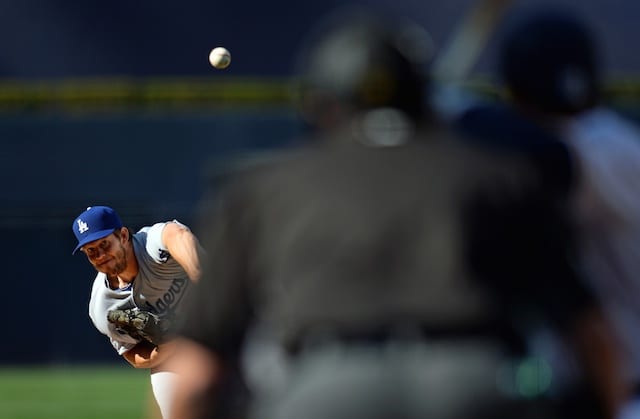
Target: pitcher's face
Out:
[108,255]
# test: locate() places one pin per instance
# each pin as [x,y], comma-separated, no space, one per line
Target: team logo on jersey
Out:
[170,298]
[164,255]
[82,226]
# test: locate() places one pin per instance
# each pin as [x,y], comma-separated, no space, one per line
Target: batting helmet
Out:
[548,61]
[360,62]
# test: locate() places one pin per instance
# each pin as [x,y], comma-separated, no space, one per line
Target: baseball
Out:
[220,57]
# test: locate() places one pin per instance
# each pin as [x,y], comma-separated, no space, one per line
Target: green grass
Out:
[59,392]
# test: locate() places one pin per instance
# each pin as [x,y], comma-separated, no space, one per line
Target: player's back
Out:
[389,235]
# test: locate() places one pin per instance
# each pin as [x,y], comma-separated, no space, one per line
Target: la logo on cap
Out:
[82,227]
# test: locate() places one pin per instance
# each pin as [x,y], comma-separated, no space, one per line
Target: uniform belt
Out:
[382,335]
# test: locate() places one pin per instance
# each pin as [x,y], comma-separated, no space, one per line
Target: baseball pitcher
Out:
[142,281]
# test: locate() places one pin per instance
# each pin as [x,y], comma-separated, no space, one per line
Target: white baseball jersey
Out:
[608,205]
[160,287]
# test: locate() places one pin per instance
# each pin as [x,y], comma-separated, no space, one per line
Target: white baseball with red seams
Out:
[220,58]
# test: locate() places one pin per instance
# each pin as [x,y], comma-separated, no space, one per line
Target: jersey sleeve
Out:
[121,347]
[155,246]
[99,305]
[609,149]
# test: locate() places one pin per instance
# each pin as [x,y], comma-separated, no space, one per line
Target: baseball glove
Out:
[140,324]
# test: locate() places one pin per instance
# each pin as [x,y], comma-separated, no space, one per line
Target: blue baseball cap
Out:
[95,223]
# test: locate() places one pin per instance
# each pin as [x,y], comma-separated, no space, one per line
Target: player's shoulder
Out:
[154,233]
[603,119]
[150,240]
[159,226]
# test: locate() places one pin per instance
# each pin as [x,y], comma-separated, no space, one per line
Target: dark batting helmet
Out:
[357,62]
[548,61]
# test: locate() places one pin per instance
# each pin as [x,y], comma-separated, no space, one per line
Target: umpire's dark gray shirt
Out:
[344,238]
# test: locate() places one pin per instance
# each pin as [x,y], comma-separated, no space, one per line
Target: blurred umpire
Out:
[398,270]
